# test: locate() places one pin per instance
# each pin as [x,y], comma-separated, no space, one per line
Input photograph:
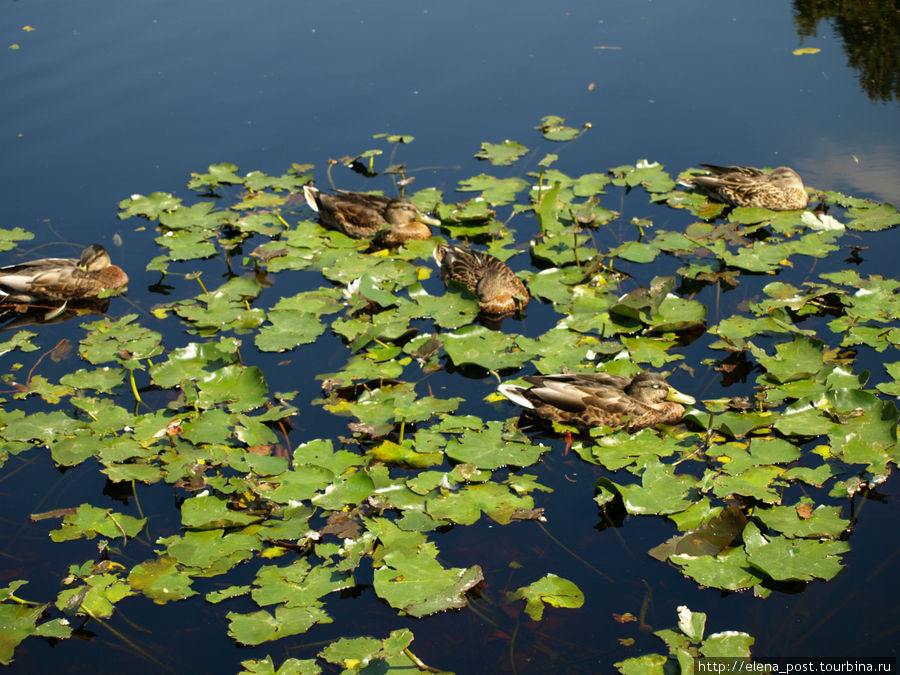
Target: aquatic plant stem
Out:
[41,358]
[419,663]
[137,501]
[645,605]
[571,552]
[134,389]
[512,647]
[331,163]
[125,640]
[116,523]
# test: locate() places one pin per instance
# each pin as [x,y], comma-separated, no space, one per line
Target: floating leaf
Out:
[494,447]
[409,577]
[874,218]
[150,206]
[553,129]
[549,590]
[660,491]
[88,521]
[793,559]
[219,174]
[257,627]
[162,580]
[465,506]
[480,346]
[501,154]
[495,191]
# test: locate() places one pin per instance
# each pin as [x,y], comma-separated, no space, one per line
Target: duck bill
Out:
[677,397]
[429,220]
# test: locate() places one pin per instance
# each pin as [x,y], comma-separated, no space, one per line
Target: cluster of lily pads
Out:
[310,511]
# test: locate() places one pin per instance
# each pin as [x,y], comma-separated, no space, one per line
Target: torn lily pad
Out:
[550,590]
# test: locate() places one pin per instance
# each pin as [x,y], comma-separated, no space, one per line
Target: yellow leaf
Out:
[27,29]
[14,46]
[273,552]
[806,50]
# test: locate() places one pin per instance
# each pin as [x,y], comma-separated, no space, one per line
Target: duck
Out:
[779,190]
[498,289]
[588,400]
[388,222]
[61,279]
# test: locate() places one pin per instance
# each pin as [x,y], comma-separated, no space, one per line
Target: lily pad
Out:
[409,577]
[549,590]
[501,154]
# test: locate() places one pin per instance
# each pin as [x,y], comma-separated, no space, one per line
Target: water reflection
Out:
[14,317]
[871,35]
[862,170]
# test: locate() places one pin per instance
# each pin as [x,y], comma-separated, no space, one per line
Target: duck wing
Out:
[45,278]
[735,172]
[577,393]
[353,214]
[458,264]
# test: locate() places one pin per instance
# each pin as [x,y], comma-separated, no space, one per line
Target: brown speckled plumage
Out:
[778,190]
[61,279]
[498,289]
[589,400]
[388,222]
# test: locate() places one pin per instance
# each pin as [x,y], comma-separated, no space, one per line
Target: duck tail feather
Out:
[309,192]
[511,391]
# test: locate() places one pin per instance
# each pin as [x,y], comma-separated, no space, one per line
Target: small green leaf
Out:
[549,590]
[501,154]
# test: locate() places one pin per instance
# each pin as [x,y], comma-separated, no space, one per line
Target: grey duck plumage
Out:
[593,399]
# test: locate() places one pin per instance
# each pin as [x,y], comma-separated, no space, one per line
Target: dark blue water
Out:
[104,99]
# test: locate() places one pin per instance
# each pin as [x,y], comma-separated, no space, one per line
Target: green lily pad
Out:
[466,505]
[495,191]
[151,206]
[493,447]
[824,521]
[409,577]
[874,218]
[20,621]
[388,655]
[479,346]
[219,174]
[97,597]
[786,559]
[501,154]
[255,628]
[88,521]
[549,590]
[553,129]
[660,491]
[162,580]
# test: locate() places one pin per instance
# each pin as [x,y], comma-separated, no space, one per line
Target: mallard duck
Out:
[779,190]
[498,289]
[592,399]
[389,222]
[54,279]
